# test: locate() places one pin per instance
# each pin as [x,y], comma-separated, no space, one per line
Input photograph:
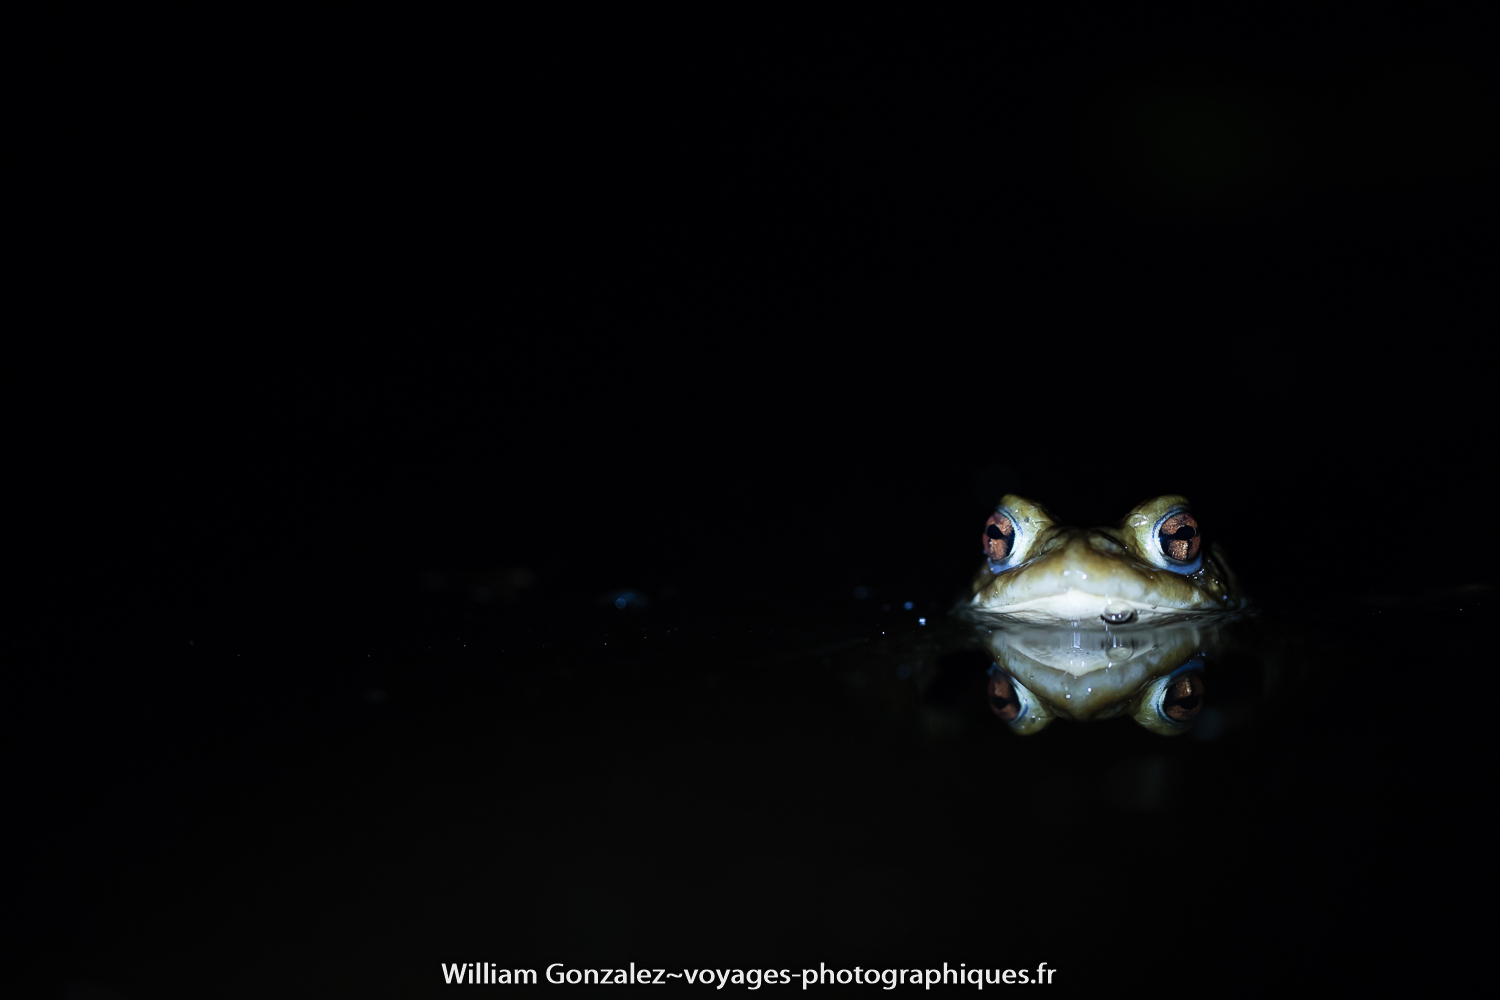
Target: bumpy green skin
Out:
[1100,574]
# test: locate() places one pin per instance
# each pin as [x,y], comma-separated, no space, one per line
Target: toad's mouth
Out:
[1078,606]
[1069,592]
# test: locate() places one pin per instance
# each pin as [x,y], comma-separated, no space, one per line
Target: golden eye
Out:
[1017,707]
[1169,704]
[999,537]
[1179,537]
[1183,698]
[1003,700]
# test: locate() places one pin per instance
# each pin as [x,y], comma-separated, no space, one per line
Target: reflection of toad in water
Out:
[1155,676]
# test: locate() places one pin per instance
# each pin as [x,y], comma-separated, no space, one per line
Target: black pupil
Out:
[1183,534]
[1187,702]
[993,531]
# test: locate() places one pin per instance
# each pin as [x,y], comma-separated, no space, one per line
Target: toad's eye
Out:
[1179,541]
[1003,700]
[1183,699]
[1169,704]
[999,537]
[1017,707]
[1179,537]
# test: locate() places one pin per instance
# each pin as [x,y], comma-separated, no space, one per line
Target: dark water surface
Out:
[711,778]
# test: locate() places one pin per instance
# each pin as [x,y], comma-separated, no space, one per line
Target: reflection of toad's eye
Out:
[1003,700]
[999,537]
[1179,537]
[1170,703]
[1017,707]
[1183,698]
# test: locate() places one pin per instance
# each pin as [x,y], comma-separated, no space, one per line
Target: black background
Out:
[669,314]
[349,331]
